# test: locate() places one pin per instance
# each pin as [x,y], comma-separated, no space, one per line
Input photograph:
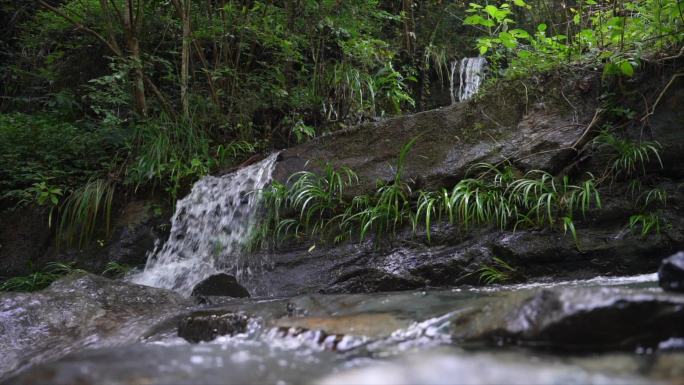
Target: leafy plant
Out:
[645,223]
[82,211]
[40,279]
[315,205]
[629,157]
[45,195]
[116,270]
[499,272]
[32,282]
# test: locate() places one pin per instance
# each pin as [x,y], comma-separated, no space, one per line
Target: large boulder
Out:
[77,312]
[588,318]
[671,273]
[222,285]
[450,141]
[453,258]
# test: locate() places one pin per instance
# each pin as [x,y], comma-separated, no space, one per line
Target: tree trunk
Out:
[130,24]
[185,58]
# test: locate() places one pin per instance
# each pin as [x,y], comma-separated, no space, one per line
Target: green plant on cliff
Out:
[83,210]
[41,279]
[629,157]
[497,197]
[498,272]
[314,204]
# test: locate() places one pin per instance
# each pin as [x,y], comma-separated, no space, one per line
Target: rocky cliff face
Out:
[542,124]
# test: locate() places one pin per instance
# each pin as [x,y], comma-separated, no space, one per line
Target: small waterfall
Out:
[471,75]
[209,230]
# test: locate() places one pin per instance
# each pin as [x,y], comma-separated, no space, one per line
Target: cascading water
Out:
[209,230]
[471,75]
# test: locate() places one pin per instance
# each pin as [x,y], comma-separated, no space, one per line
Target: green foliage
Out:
[315,206]
[645,223]
[495,20]
[40,279]
[41,156]
[499,272]
[629,157]
[82,211]
[174,153]
[116,270]
[497,197]
[616,33]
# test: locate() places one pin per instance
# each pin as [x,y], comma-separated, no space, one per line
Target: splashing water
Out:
[209,230]
[471,75]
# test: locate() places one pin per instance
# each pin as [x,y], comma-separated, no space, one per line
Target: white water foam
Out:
[209,230]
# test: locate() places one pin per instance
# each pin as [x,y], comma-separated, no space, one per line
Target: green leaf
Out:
[626,68]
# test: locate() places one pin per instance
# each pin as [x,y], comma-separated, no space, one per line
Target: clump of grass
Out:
[628,157]
[645,223]
[498,272]
[314,205]
[83,210]
[115,270]
[498,197]
[39,280]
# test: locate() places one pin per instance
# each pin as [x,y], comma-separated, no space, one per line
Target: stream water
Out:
[209,230]
[384,338]
[471,74]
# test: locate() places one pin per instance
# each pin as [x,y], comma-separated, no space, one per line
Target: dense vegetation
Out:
[101,98]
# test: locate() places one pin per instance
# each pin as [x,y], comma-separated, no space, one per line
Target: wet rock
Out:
[78,312]
[412,263]
[207,325]
[136,227]
[452,139]
[220,285]
[24,235]
[671,273]
[577,318]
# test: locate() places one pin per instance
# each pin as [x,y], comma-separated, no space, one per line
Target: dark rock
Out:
[671,273]
[207,325]
[411,263]
[77,312]
[220,285]
[452,140]
[24,235]
[577,318]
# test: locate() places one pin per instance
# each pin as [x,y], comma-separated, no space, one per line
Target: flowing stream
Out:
[209,230]
[382,338]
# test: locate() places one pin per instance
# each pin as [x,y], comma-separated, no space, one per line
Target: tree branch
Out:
[78,25]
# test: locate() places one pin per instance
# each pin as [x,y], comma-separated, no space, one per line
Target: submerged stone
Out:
[671,273]
[207,325]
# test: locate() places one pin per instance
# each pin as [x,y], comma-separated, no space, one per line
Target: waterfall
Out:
[471,75]
[209,230]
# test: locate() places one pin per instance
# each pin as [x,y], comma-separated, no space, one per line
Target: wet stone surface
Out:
[466,335]
[671,273]
[206,325]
